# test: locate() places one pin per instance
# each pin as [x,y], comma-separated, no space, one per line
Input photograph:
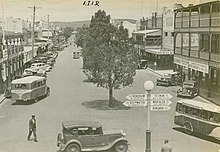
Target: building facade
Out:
[149,42]
[11,57]
[197,47]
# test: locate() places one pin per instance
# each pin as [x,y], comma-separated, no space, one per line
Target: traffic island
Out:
[104,105]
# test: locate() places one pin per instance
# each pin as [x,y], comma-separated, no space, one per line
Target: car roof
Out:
[27,80]
[80,123]
[189,81]
[200,105]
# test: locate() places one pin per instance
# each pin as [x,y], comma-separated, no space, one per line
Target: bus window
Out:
[196,112]
[204,115]
[211,118]
[21,86]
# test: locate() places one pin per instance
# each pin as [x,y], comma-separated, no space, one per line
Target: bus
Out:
[29,88]
[199,117]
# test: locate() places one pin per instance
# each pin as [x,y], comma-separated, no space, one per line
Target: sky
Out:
[74,10]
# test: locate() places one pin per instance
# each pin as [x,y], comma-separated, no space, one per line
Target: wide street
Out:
[72,98]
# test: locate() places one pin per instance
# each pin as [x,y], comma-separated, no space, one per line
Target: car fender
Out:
[72,141]
[118,140]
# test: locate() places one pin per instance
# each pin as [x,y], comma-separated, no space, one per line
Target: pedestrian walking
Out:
[32,128]
[166,147]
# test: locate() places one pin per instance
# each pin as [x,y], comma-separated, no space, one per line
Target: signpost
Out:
[160,108]
[134,103]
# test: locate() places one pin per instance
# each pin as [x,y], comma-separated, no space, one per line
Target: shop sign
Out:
[181,62]
[199,67]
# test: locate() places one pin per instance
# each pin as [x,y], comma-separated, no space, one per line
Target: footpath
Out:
[2,98]
[163,72]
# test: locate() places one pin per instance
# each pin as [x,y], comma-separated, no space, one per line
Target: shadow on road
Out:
[103,105]
[25,103]
[198,135]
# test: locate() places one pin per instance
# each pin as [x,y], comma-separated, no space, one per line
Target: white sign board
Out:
[161,96]
[160,108]
[135,96]
[134,103]
[160,102]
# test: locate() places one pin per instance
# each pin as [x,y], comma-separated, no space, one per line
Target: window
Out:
[21,86]
[204,42]
[172,34]
[194,41]
[166,34]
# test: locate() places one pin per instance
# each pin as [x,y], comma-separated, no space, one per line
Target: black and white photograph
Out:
[109,76]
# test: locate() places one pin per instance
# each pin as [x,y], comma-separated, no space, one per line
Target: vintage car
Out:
[80,136]
[169,79]
[188,90]
[143,64]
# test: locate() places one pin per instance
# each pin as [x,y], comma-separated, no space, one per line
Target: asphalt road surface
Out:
[69,95]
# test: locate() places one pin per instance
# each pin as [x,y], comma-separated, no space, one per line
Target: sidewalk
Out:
[160,72]
[2,98]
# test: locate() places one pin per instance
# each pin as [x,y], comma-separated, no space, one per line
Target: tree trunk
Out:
[111,99]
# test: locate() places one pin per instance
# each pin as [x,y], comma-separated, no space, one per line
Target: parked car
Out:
[188,90]
[143,64]
[48,67]
[38,66]
[169,79]
[82,136]
[36,72]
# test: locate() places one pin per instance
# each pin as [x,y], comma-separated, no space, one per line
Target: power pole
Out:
[48,26]
[32,35]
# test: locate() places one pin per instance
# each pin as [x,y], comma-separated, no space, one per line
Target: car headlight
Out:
[123,133]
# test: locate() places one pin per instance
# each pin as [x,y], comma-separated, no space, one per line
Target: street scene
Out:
[111,85]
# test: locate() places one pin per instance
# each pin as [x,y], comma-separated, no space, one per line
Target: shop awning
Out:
[156,32]
[159,51]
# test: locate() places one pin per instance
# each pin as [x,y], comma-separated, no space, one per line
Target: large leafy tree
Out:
[109,58]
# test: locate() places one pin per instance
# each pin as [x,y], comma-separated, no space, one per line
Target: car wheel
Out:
[73,148]
[121,146]
[188,128]
[36,99]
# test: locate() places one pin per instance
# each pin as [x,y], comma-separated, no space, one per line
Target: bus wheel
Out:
[188,128]
[35,100]
[48,92]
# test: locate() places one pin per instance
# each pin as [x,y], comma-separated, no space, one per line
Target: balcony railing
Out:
[215,19]
[185,52]
[215,57]
[177,50]
[204,20]
[194,53]
[204,55]
[195,21]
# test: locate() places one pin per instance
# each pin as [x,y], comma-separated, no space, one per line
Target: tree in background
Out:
[109,59]
[67,31]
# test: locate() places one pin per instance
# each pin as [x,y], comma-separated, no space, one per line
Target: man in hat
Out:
[166,147]
[32,128]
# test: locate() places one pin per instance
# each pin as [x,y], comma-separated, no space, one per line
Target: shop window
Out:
[215,43]
[204,42]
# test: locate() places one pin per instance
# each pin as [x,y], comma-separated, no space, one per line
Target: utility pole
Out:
[32,35]
[48,26]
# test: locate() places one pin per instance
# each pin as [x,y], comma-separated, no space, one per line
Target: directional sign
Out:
[160,102]
[135,96]
[134,103]
[160,108]
[161,96]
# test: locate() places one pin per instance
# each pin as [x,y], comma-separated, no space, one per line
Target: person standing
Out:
[166,147]
[32,128]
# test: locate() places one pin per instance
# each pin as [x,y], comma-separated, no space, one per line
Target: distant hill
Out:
[74,24]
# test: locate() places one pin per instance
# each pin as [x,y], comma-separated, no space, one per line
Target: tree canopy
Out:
[110,60]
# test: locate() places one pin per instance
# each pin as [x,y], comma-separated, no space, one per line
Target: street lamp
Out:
[148,86]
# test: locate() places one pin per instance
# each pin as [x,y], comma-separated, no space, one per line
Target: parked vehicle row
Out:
[189,88]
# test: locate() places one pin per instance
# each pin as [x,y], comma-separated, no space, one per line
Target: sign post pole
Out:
[148,132]
[148,85]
